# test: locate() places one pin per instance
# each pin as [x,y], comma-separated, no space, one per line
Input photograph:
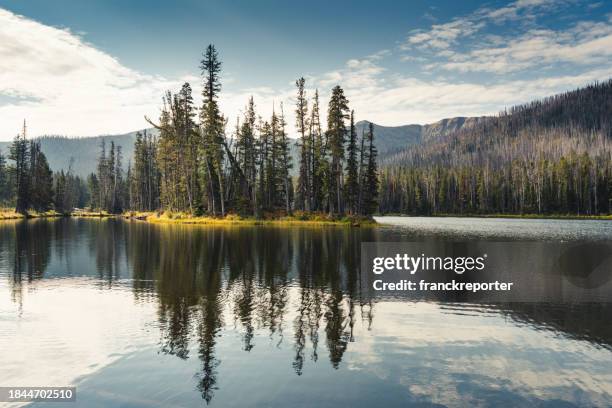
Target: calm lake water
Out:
[139,315]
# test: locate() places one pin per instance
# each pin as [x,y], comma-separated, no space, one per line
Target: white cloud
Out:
[443,36]
[64,85]
[398,99]
[586,43]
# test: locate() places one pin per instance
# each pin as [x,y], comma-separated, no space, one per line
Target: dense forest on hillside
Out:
[551,156]
[193,163]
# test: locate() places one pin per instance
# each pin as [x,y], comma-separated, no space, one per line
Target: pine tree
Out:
[20,154]
[362,173]
[188,142]
[351,186]
[371,176]
[167,157]
[247,157]
[304,181]
[272,176]
[265,147]
[284,163]
[212,126]
[41,179]
[144,175]
[119,185]
[94,191]
[59,198]
[320,165]
[336,133]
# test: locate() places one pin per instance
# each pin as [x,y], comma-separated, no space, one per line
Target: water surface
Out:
[140,315]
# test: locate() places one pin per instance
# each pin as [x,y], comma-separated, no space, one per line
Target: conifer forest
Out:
[549,157]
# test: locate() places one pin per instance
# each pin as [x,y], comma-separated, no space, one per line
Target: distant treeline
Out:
[548,157]
[29,184]
[196,166]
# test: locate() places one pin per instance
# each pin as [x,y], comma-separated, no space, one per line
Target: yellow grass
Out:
[298,218]
[11,214]
[84,213]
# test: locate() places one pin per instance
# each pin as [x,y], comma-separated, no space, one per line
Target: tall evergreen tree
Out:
[320,165]
[371,176]
[144,175]
[337,113]
[20,154]
[284,161]
[351,185]
[247,157]
[212,126]
[265,147]
[187,144]
[304,180]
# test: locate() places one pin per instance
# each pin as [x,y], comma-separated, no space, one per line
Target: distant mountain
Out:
[84,151]
[389,139]
[392,139]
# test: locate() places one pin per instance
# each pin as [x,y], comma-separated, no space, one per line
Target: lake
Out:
[141,315]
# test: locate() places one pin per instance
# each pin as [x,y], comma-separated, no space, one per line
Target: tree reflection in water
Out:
[252,273]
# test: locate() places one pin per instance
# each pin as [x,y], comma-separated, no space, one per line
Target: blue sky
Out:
[84,68]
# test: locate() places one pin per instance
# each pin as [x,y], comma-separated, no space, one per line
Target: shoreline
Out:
[297,220]
[509,216]
[315,219]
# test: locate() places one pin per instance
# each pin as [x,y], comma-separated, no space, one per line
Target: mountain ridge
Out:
[82,151]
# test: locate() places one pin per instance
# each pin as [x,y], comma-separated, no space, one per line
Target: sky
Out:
[79,68]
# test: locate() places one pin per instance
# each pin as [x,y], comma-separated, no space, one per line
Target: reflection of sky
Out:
[106,341]
[502,228]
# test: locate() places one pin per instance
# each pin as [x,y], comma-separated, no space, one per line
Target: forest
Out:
[550,156]
[547,157]
[197,166]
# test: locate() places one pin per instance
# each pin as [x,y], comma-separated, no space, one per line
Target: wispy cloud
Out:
[586,43]
[443,36]
[67,86]
[64,85]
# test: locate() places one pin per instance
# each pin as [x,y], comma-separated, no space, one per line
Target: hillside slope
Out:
[548,156]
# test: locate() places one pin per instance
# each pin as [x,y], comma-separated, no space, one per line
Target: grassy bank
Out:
[83,213]
[297,218]
[514,216]
[11,214]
